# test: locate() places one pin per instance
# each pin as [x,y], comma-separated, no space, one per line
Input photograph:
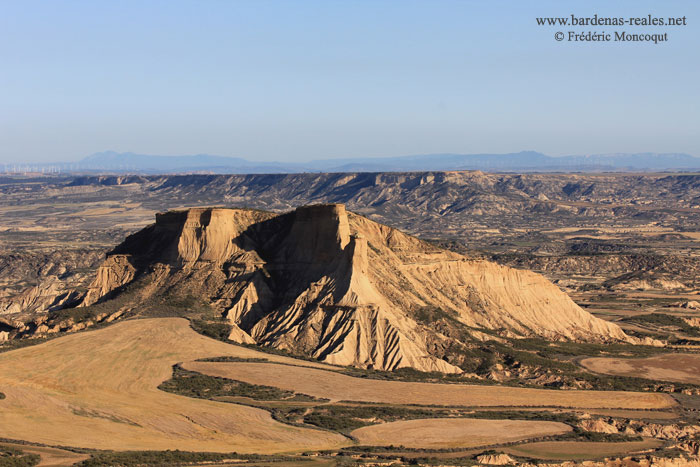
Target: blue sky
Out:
[301,80]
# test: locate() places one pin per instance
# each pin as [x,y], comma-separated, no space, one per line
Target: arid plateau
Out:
[426,318]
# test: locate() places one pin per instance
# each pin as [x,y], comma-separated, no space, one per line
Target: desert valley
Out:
[432,318]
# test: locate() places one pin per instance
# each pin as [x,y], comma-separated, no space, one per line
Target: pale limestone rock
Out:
[495,459]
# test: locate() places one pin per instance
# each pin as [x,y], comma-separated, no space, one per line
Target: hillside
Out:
[338,287]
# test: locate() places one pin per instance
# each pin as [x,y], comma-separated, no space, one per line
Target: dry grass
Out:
[681,368]
[335,386]
[98,389]
[437,433]
[578,450]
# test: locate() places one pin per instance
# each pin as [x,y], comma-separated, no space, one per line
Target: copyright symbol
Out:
[559,36]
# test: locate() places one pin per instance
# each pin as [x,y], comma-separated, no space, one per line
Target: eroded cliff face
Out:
[339,287]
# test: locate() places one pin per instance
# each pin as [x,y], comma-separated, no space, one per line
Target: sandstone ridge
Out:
[336,286]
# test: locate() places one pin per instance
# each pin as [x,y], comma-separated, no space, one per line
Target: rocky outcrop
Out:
[495,459]
[115,272]
[339,287]
[33,283]
[671,431]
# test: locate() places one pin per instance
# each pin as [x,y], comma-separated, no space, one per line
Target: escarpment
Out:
[336,286]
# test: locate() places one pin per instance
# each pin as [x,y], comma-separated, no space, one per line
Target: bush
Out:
[215,329]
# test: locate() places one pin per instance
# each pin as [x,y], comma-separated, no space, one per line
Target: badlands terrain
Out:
[447,318]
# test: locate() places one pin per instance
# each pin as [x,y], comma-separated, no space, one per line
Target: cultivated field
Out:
[98,389]
[683,368]
[437,433]
[335,386]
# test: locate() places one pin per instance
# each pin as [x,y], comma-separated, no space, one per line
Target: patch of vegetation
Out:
[171,458]
[13,457]
[532,415]
[345,418]
[193,384]
[2,396]
[218,330]
[184,305]
[430,314]
[81,314]
[228,358]
[579,434]
[548,349]
[664,320]
[407,375]
[510,354]
[397,454]
[15,344]
[334,422]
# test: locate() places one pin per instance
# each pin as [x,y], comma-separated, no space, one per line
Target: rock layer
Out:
[339,287]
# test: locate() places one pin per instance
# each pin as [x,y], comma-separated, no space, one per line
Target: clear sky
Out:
[300,80]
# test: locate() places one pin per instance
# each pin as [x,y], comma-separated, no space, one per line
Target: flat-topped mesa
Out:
[322,282]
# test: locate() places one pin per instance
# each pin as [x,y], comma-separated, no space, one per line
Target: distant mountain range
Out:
[525,161]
